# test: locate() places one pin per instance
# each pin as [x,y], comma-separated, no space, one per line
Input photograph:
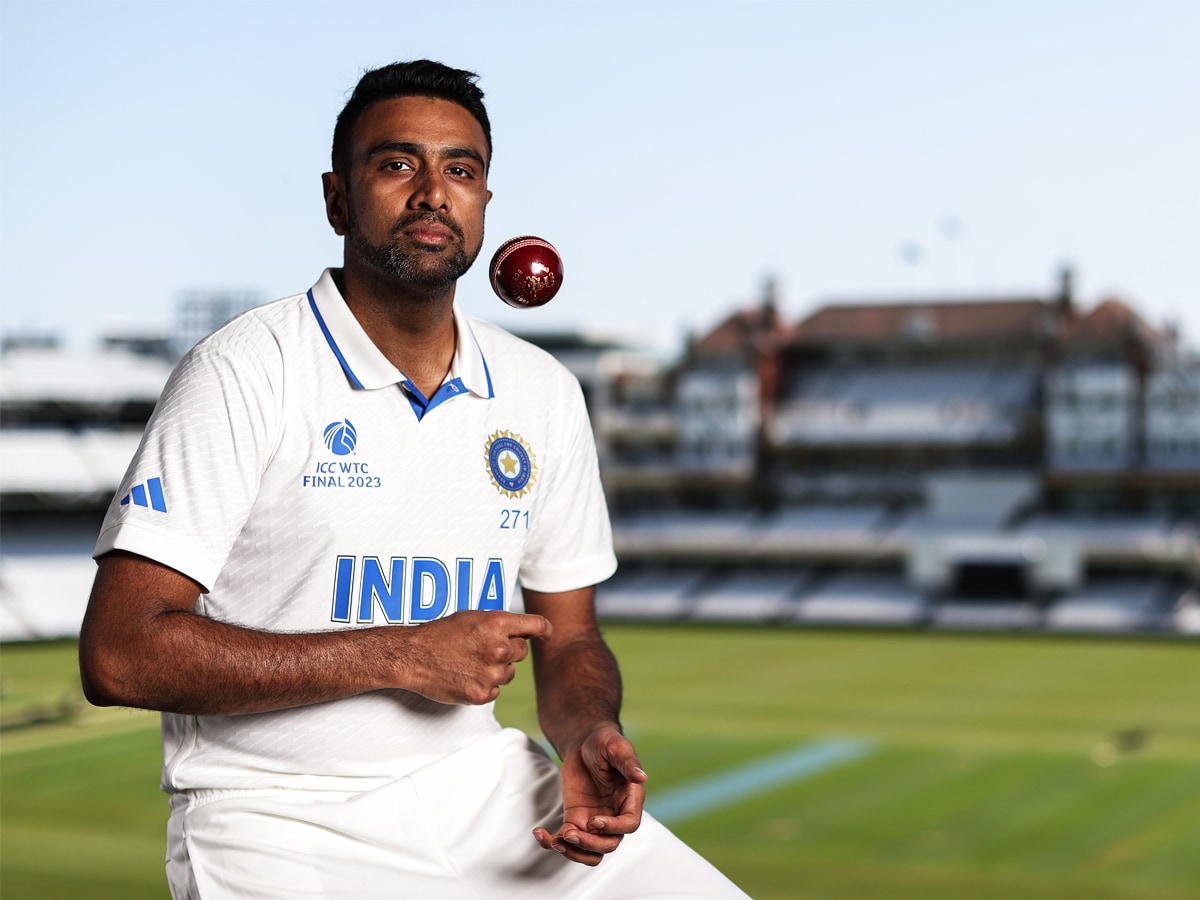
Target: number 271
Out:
[514,518]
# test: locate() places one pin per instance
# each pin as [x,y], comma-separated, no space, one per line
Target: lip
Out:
[429,233]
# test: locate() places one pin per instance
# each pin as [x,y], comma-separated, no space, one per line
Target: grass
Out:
[1003,766]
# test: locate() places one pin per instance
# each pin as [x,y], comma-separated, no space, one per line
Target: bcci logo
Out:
[341,437]
[510,464]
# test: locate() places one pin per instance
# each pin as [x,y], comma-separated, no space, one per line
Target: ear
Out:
[487,199]
[336,209]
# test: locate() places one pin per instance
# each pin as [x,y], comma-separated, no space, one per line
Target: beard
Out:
[431,268]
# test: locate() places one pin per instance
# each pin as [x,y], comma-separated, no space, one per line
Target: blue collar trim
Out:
[333,344]
[420,405]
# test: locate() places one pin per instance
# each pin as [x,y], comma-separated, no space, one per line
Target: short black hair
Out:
[417,78]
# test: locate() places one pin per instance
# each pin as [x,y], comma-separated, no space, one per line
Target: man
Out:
[310,567]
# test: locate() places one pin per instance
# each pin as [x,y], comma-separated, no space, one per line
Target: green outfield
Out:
[998,766]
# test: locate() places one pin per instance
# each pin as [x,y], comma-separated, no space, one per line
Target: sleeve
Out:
[195,476]
[571,545]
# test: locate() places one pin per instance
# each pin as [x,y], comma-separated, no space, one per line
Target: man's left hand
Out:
[602,798]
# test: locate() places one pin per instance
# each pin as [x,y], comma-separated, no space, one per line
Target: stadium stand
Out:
[648,594]
[873,599]
[46,574]
[650,536]
[749,596]
[1013,614]
[1122,536]
[1117,605]
[820,529]
[875,465]
[63,467]
[929,405]
[71,422]
[48,379]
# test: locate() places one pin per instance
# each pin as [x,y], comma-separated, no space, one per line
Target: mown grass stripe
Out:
[736,784]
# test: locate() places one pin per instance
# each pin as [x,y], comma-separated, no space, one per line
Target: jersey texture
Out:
[298,476]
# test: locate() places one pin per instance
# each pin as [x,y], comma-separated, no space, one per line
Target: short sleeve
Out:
[196,473]
[572,544]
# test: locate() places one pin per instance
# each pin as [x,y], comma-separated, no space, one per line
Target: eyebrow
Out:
[426,150]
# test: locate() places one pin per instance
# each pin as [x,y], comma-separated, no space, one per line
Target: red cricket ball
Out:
[526,271]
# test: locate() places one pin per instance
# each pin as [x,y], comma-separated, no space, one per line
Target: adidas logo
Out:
[149,494]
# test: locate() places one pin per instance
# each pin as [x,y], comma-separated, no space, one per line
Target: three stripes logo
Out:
[149,495]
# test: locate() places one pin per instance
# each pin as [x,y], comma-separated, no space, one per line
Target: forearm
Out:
[182,662]
[579,690]
[579,705]
[142,645]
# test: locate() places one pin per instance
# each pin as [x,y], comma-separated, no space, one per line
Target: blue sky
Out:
[677,153]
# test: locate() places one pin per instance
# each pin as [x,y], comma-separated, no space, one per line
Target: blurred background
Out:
[886,316]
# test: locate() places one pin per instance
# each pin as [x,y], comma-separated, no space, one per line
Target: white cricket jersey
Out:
[297,475]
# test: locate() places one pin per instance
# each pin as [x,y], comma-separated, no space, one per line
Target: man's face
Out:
[411,202]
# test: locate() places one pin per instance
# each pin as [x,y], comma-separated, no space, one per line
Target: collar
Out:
[365,365]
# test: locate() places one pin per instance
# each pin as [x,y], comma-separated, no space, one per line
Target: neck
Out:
[413,328]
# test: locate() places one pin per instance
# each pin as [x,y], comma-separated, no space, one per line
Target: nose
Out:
[429,192]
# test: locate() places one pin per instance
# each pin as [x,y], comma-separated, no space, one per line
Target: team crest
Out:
[510,463]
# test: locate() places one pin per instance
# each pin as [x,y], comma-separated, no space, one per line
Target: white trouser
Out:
[460,828]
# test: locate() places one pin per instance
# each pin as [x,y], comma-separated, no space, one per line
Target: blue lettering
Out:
[429,573]
[463,588]
[343,582]
[389,591]
[491,594]
[322,481]
[434,587]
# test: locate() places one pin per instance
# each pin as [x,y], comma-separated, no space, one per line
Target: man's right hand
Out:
[467,657]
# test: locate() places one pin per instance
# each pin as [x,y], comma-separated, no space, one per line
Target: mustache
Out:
[430,217]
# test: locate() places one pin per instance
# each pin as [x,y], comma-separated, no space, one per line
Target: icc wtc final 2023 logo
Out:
[341,437]
[511,465]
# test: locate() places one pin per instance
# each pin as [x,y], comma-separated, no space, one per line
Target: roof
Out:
[967,321]
[1111,322]
[740,332]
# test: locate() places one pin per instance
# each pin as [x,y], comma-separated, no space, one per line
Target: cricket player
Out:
[313,565]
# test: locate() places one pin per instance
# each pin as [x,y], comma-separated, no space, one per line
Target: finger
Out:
[574,854]
[628,818]
[591,843]
[576,844]
[505,652]
[575,850]
[529,625]
[571,851]
[508,674]
[633,771]
[615,825]
[622,757]
[519,649]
